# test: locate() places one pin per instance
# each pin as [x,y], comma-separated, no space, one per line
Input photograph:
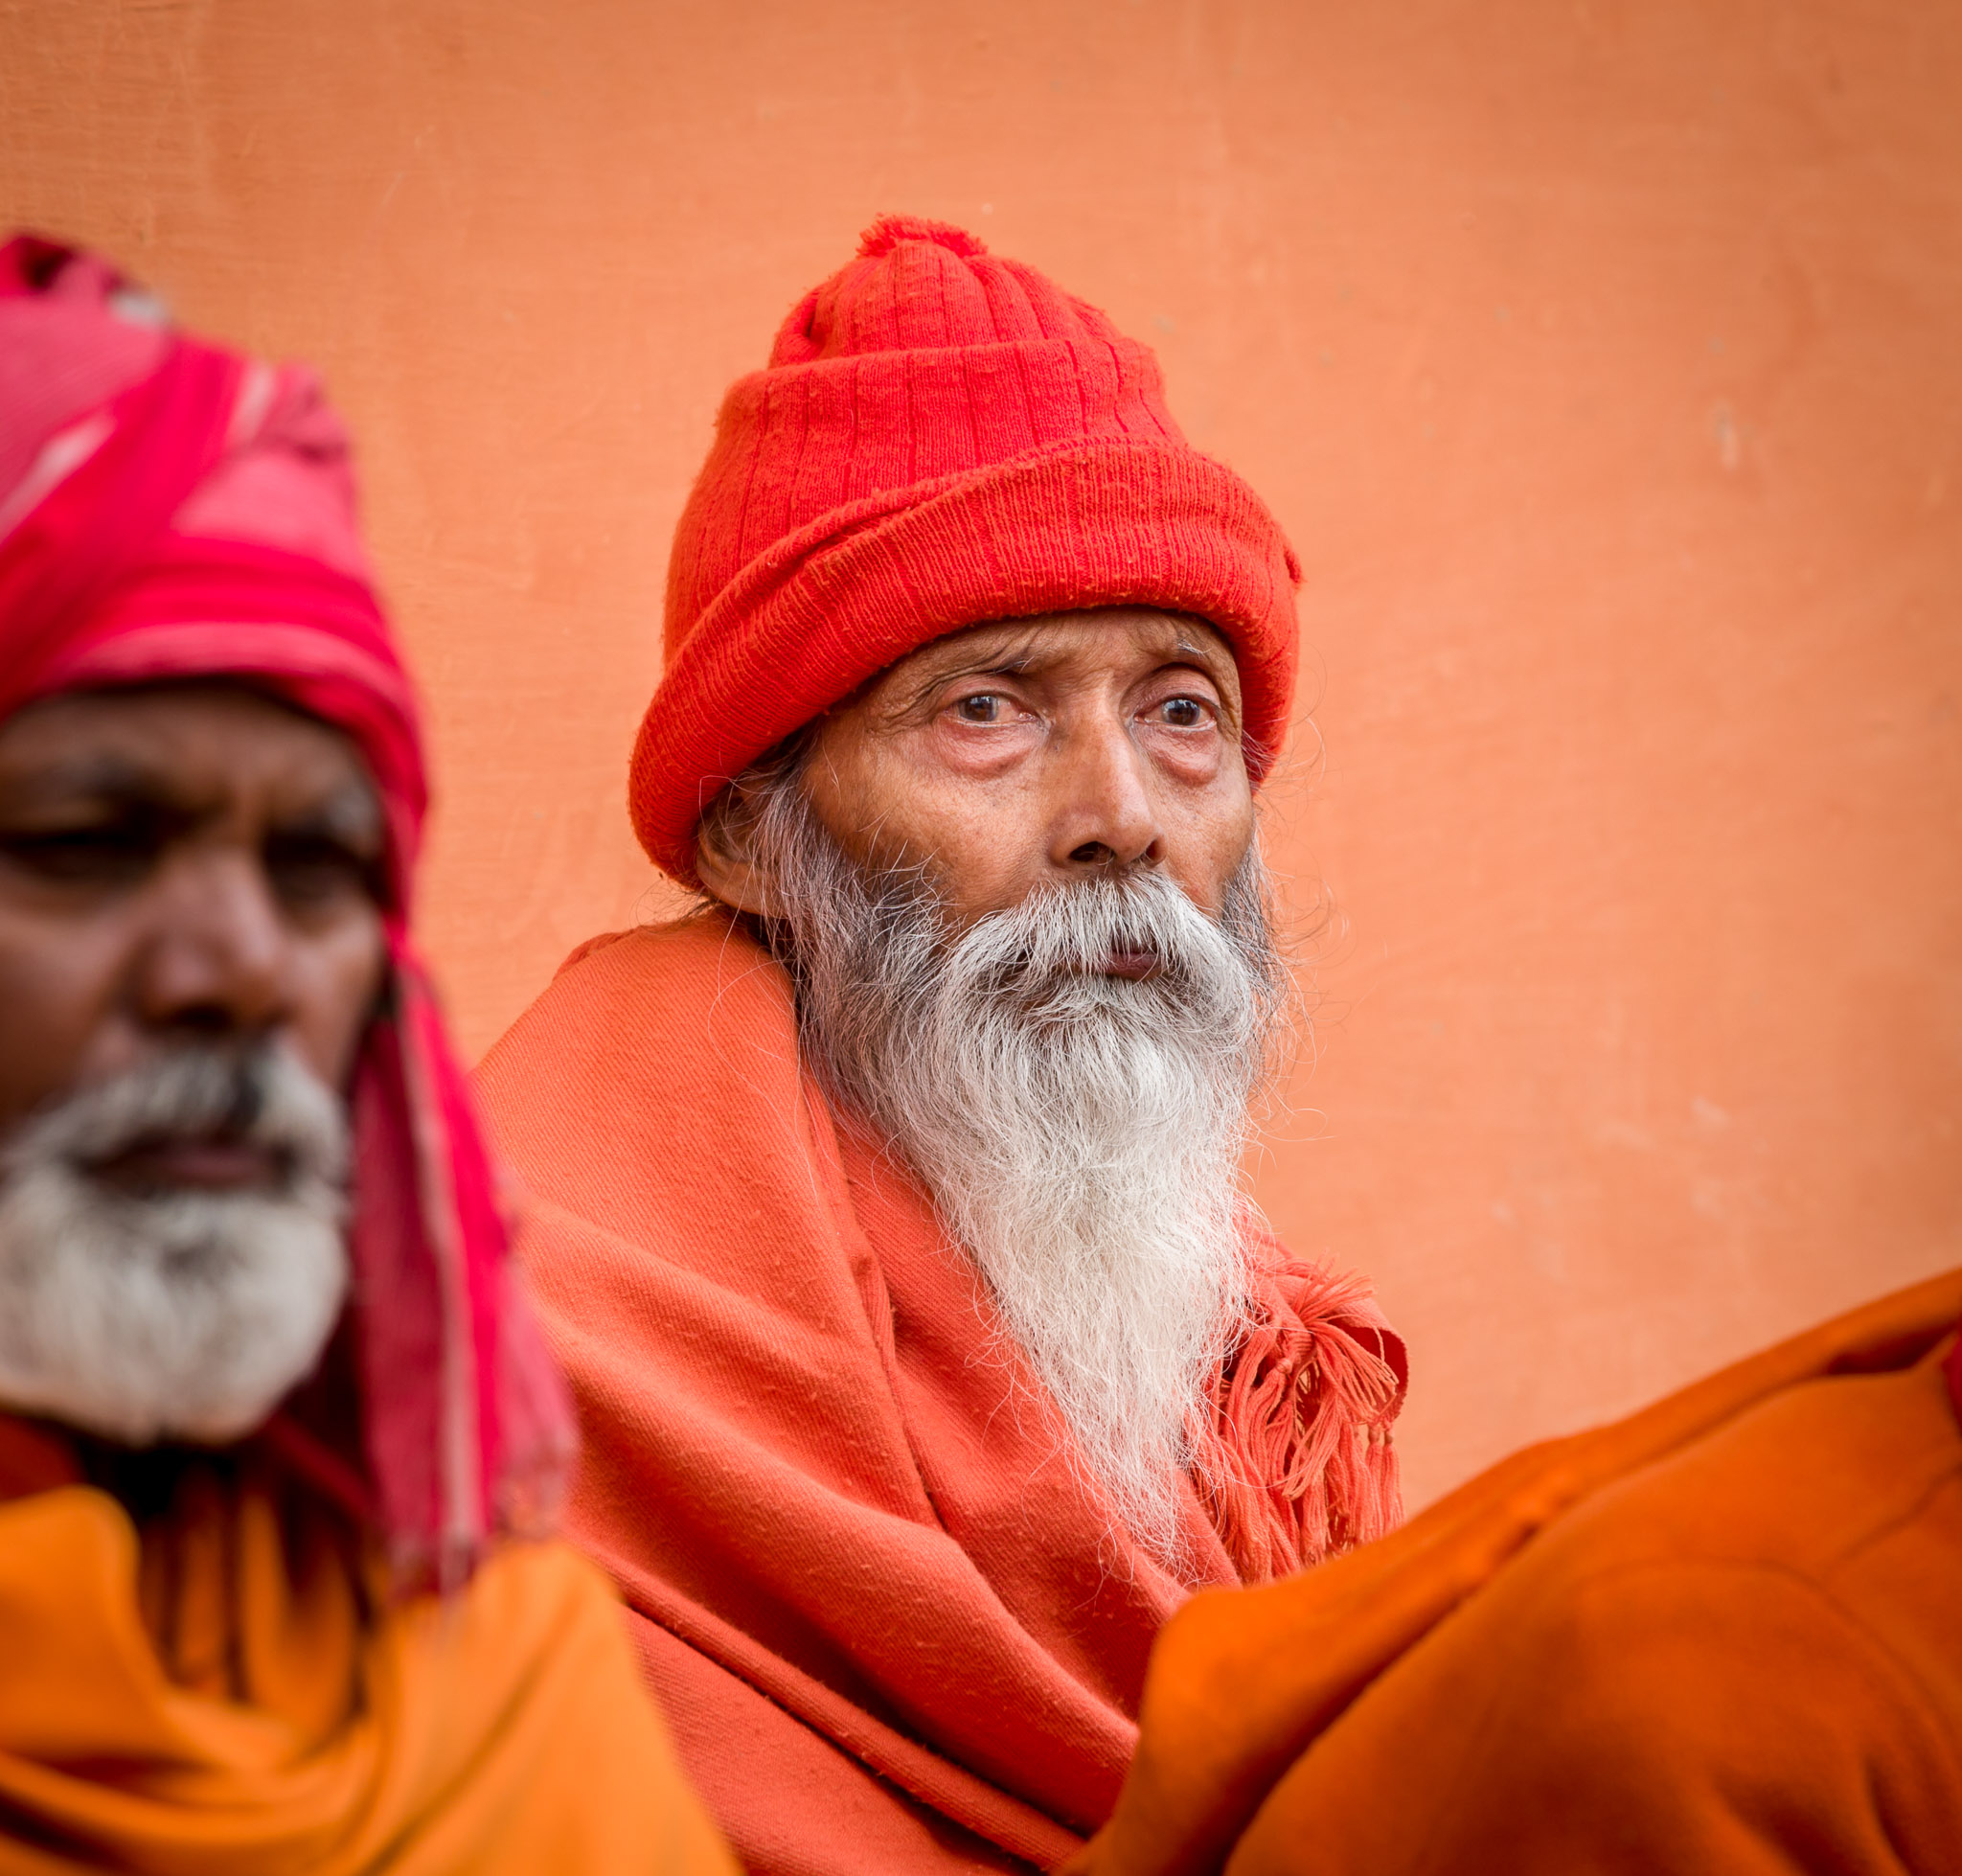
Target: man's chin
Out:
[184,1318]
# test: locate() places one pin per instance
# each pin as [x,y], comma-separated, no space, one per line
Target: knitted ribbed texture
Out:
[941,437]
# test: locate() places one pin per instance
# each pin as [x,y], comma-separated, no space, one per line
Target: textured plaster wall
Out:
[1601,359]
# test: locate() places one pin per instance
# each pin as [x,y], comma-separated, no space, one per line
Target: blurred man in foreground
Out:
[273,1423]
[1723,1637]
[889,1215]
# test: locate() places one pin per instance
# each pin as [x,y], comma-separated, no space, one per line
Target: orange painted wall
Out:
[1601,357]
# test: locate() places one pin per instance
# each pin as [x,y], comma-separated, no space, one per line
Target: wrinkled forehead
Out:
[1112,639]
[192,742]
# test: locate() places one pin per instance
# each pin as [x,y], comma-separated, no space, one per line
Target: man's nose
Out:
[1105,814]
[217,958]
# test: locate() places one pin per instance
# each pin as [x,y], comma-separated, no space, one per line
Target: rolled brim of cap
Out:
[1119,523]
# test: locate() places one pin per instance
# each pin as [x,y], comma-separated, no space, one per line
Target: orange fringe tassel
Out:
[1296,1459]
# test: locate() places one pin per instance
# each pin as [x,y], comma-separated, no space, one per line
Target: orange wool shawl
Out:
[233,1694]
[891,1627]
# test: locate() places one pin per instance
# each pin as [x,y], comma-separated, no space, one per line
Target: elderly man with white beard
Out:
[886,1211]
[279,1443]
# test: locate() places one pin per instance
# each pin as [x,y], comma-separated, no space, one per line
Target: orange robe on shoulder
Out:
[891,1628]
[232,1694]
[1721,1638]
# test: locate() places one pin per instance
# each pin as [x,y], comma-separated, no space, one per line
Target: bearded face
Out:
[1069,1077]
[192,947]
[172,1313]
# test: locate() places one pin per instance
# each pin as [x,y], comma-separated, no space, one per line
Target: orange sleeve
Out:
[1666,1719]
[1443,1679]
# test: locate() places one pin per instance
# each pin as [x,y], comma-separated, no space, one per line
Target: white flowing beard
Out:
[1082,1133]
[185,1315]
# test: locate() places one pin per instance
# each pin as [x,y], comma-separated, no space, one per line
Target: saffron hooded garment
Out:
[1719,1638]
[892,1628]
[259,1678]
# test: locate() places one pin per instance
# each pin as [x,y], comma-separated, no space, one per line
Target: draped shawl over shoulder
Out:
[892,1629]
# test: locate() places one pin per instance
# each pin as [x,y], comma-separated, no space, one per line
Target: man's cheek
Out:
[343,981]
[979,752]
[1002,863]
[1187,761]
[51,1020]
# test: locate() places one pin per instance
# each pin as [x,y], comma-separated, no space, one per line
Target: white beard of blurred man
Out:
[141,1311]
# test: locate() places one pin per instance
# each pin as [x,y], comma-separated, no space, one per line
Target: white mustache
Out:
[1052,954]
[261,1098]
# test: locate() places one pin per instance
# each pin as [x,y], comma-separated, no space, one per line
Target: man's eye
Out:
[313,870]
[983,707]
[116,853]
[1184,713]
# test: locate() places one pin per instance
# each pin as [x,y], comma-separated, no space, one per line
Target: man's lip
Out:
[212,1164]
[1136,966]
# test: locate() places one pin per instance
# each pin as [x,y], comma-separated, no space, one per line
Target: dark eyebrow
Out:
[1012,667]
[1009,660]
[1014,659]
[1208,651]
[352,813]
[101,777]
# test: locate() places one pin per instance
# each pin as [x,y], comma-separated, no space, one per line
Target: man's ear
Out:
[731,876]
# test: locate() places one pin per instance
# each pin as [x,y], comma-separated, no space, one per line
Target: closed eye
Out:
[311,869]
[117,850]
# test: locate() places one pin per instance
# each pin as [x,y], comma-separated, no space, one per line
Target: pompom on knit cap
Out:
[890,230]
[941,437]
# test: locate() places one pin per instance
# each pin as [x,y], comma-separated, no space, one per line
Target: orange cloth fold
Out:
[1723,1635]
[230,1696]
[892,1628]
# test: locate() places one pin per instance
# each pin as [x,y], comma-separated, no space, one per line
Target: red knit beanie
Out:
[942,438]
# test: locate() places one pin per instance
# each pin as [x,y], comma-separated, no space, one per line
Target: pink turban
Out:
[169,509]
